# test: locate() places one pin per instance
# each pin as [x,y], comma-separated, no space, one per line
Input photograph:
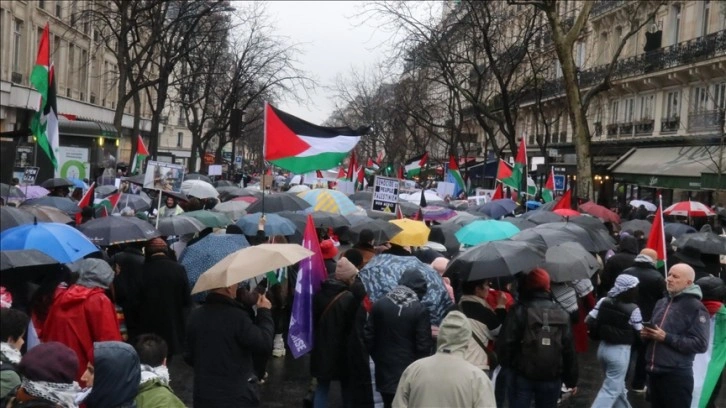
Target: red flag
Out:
[499,192]
[109,204]
[86,200]
[360,178]
[656,239]
[380,157]
[504,171]
[550,183]
[522,153]
[400,172]
[141,147]
[565,202]
[341,173]
[351,167]
[369,163]
[269,171]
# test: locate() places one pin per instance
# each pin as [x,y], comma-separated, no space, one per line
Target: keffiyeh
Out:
[149,373]
[623,283]
[58,393]
[10,353]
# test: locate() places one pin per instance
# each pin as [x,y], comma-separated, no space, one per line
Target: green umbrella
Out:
[481,231]
[209,218]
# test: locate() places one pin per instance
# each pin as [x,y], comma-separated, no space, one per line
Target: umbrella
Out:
[379,215]
[445,234]
[299,188]
[569,261]
[382,230]
[543,238]
[533,205]
[458,204]
[22,258]
[22,266]
[566,212]
[415,198]
[206,252]
[108,231]
[34,192]
[63,204]
[413,233]
[590,223]
[481,231]
[45,213]
[497,208]
[78,183]
[210,219]
[234,191]
[599,211]
[647,204]
[362,196]
[56,182]
[689,209]
[104,191]
[249,262]
[12,217]
[496,259]
[550,205]
[199,189]
[224,183]
[321,219]
[323,199]
[706,242]
[676,229]
[197,176]
[180,225]
[637,225]
[245,199]
[592,240]
[233,209]
[274,224]
[11,192]
[382,273]
[358,218]
[61,242]
[136,202]
[137,179]
[540,217]
[277,202]
[437,213]
[519,222]
[462,218]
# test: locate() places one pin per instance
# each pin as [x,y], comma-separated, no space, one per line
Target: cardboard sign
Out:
[164,176]
[385,194]
[267,181]
[29,175]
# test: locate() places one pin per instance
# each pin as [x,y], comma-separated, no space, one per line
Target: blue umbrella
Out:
[275,225]
[497,208]
[533,205]
[78,183]
[383,271]
[61,242]
[206,252]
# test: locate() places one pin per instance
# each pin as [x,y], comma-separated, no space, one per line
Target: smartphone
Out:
[650,325]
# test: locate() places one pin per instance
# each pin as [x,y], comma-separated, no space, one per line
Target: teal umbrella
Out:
[481,231]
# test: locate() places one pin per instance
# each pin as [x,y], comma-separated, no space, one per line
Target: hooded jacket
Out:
[424,383]
[154,391]
[651,287]
[686,323]
[117,375]
[617,263]
[398,331]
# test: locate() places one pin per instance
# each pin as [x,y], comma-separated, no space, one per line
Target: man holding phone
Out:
[678,330]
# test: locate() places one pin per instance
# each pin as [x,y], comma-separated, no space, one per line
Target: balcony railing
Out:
[669,125]
[644,127]
[604,6]
[16,77]
[703,121]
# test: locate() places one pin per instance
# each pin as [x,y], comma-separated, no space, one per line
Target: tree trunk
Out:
[161,96]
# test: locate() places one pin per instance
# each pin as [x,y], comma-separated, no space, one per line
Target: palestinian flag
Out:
[44,124]
[505,175]
[531,186]
[454,176]
[86,200]
[548,192]
[519,170]
[656,239]
[371,167]
[300,146]
[414,165]
[108,204]
[141,154]
[565,202]
[499,192]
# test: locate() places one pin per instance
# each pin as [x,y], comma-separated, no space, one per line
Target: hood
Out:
[117,375]
[93,273]
[414,280]
[629,244]
[75,295]
[454,334]
[693,290]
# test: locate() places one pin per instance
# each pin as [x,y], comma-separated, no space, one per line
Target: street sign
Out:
[238,162]
[29,175]
[559,182]
[385,194]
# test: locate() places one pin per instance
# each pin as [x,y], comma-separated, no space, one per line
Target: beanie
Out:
[538,280]
[345,270]
[50,362]
[155,245]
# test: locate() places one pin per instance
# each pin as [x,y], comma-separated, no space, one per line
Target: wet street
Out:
[289,381]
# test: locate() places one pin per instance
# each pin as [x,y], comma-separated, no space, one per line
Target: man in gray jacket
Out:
[678,330]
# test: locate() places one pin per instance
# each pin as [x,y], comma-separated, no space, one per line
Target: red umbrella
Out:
[600,212]
[566,212]
[247,199]
[689,209]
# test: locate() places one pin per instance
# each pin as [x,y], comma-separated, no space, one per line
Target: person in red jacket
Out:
[83,314]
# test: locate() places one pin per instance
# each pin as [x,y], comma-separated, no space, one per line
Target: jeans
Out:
[670,390]
[615,359]
[522,391]
[322,391]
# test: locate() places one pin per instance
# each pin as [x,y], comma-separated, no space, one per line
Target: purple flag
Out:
[311,274]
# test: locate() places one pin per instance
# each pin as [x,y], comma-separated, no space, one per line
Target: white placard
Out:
[164,176]
[385,194]
[73,163]
[215,170]
[346,187]
[444,188]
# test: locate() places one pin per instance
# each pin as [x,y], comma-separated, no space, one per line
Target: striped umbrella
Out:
[689,209]
[334,201]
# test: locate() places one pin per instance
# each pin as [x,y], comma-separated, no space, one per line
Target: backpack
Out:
[541,353]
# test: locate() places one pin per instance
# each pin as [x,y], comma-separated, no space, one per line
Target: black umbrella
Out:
[179,196]
[362,196]
[592,240]
[234,191]
[44,213]
[495,259]
[197,176]
[26,265]
[378,215]
[444,234]
[706,242]
[569,261]
[21,258]
[519,222]
[543,238]
[180,225]
[637,225]
[276,202]
[382,230]
[497,208]
[12,217]
[118,230]
[63,204]
[676,229]
[540,217]
[56,182]
[8,191]
[136,202]
[550,205]
[104,191]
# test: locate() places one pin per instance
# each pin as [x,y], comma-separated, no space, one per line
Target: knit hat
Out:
[328,249]
[623,283]
[155,245]
[50,362]
[537,280]
[439,264]
[345,270]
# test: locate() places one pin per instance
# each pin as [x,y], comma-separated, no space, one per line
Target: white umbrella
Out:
[648,205]
[199,189]
[234,209]
[416,197]
[298,188]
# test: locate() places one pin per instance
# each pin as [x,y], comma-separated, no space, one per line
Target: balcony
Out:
[16,77]
[605,6]
[644,127]
[625,128]
[670,125]
[597,132]
[703,121]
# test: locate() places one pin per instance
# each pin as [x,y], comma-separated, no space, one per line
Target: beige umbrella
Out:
[45,213]
[248,263]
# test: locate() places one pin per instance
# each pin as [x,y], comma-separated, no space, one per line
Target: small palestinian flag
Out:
[455,176]
[414,165]
[108,204]
[548,192]
[141,154]
[86,200]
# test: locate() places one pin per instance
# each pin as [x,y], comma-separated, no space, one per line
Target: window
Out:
[699,99]
[580,55]
[614,111]
[646,107]
[41,4]
[558,69]
[604,48]
[84,71]
[179,139]
[58,9]
[629,109]
[181,121]
[719,96]
[705,16]
[17,45]
[671,108]
[675,23]
[71,66]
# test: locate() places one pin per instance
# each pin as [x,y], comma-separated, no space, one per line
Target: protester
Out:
[164,296]
[616,321]
[83,314]
[439,264]
[485,323]
[677,332]
[128,265]
[622,260]
[334,310]
[13,324]
[278,293]
[171,208]
[708,367]
[113,375]
[365,246]
[398,332]
[221,338]
[154,390]
[329,251]
[47,373]
[464,385]
[539,357]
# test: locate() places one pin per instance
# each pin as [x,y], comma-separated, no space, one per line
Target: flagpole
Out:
[158,210]
[665,248]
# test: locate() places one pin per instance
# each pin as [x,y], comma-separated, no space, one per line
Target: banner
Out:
[164,176]
[73,163]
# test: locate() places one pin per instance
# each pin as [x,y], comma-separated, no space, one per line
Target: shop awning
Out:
[669,167]
[86,128]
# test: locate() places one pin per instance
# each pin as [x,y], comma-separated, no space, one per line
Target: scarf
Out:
[402,296]
[712,306]
[475,299]
[149,373]
[12,355]
[58,393]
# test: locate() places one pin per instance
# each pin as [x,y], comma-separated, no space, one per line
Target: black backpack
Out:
[541,353]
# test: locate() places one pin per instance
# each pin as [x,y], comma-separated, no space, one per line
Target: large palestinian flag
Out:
[300,146]
[44,124]
[413,166]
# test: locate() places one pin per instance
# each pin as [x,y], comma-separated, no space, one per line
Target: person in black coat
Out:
[164,296]
[398,332]
[616,264]
[221,339]
[128,264]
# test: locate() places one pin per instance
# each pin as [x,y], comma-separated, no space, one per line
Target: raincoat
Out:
[116,378]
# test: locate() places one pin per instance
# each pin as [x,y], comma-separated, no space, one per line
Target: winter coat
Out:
[163,299]
[156,394]
[116,376]
[330,265]
[9,377]
[127,286]
[398,331]
[651,287]
[358,360]
[616,264]
[334,309]
[221,339]
[397,250]
[686,323]
[485,325]
[367,250]
[79,317]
